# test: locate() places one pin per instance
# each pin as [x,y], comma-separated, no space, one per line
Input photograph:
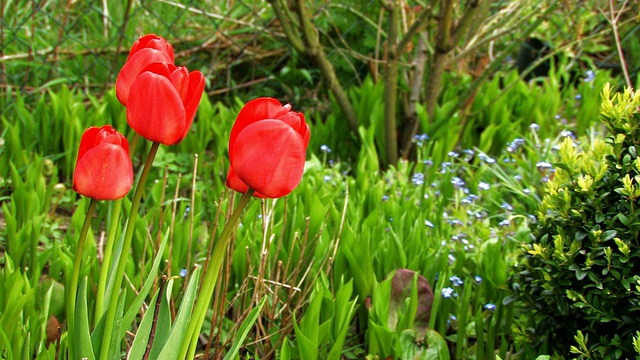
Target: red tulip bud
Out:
[267,149]
[147,50]
[163,101]
[103,168]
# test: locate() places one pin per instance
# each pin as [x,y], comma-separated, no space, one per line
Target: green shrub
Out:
[581,268]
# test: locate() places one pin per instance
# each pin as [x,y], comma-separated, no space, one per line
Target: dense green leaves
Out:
[579,271]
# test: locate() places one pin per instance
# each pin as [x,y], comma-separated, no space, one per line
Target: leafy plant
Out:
[579,269]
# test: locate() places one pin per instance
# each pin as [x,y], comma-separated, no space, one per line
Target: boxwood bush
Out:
[579,275]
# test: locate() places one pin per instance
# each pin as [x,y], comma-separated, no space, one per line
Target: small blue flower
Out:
[534,127]
[452,259]
[447,292]
[589,76]
[504,223]
[420,139]
[517,177]
[578,97]
[505,205]
[477,279]
[417,179]
[428,162]
[183,273]
[457,182]
[327,178]
[428,223]
[453,154]
[567,133]
[543,165]
[490,306]
[325,149]
[456,281]
[385,198]
[483,186]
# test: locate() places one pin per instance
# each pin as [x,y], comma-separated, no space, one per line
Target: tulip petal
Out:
[88,141]
[152,41]
[269,156]
[180,79]
[234,183]
[104,173]
[255,110]
[133,67]
[194,95]
[155,109]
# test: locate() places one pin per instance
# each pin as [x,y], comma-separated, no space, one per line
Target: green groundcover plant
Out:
[579,273]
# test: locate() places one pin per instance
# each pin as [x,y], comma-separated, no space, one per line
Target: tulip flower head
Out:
[147,50]
[267,149]
[103,168]
[162,102]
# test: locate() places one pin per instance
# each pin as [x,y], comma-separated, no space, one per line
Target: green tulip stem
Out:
[75,276]
[124,256]
[106,258]
[210,279]
[134,145]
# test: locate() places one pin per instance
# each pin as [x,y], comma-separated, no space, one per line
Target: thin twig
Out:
[156,312]
[616,37]
[58,342]
[191,217]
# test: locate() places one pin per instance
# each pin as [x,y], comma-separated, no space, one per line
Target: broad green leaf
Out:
[437,348]
[244,329]
[82,339]
[132,312]
[178,332]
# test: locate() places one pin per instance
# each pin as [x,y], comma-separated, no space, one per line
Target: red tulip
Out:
[267,149]
[163,101]
[147,50]
[103,168]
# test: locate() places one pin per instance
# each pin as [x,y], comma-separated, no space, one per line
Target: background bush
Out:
[580,266]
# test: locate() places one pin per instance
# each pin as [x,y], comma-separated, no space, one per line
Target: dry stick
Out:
[376,55]
[58,342]
[156,312]
[191,219]
[173,223]
[616,36]
[156,248]
[446,39]
[215,229]
[229,259]
[473,88]
[342,220]
[30,50]
[521,77]
[391,86]
[56,48]
[415,90]
[271,309]
[105,19]
[3,80]
[315,49]
[171,238]
[395,49]
[123,30]
[312,47]
[218,305]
